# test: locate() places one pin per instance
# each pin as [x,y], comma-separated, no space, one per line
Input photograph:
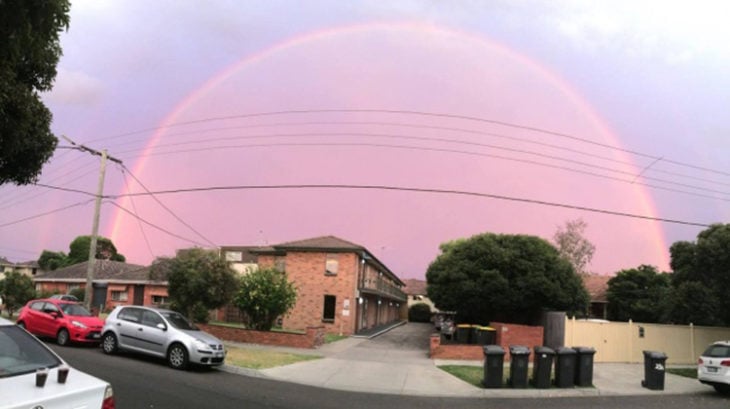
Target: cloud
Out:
[75,88]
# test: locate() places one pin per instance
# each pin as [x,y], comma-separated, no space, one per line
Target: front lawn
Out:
[262,359]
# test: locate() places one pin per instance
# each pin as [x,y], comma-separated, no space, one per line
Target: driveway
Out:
[394,362]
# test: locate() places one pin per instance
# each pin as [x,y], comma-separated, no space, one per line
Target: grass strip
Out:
[262,359]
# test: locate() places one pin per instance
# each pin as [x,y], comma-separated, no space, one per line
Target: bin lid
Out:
[585,350]
[483,328]
[655,354]
[544,350]
[464,326]
[565,351]
[519,350]
[493,350]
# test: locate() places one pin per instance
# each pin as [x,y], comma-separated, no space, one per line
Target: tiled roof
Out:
[596,286]
[415,286]
[320,243]
[104,270]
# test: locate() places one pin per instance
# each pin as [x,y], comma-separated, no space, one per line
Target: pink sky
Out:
[359,59]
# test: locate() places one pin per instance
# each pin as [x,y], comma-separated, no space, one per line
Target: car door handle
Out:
[140,329]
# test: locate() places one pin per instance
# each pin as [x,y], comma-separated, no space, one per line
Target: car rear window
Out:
[717,351]
[21,353]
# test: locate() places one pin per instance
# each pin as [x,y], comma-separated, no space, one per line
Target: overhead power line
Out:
[418,190]
[47,213]
[154,225]
[125,169]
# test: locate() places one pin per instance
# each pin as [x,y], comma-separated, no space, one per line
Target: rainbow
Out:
[394,27]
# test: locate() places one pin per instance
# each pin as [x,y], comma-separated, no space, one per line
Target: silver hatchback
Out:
[163,333]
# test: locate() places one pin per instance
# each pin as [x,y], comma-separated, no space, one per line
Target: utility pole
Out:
[95,224]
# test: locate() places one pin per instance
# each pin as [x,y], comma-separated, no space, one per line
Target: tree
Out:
[29,52]
[638,294]
[574,246]
[51,260]
[263,295]
[702,266]
[197,279]
[419,312]
[17,289]
[105,250]
[507,277]
[79,252]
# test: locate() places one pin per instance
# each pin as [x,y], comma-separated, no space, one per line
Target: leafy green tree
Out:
[263,295]
[51,260]
[638,294]
[692,302]
[504,277]
[79,250]
[419,312]
[703,265]
[29,51]
[79,293]
[17,289]
[197,279]
[573,245]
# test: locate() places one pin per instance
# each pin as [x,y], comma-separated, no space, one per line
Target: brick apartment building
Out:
[340,285]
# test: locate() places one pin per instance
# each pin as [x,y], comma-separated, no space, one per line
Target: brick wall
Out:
[507,334]
[313,338]
[307,271]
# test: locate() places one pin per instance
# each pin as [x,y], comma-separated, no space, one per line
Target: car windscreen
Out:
[178,321]
[717,351]
[76,310]
[22,353]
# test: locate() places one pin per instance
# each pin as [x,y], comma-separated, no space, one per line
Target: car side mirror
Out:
[162,326]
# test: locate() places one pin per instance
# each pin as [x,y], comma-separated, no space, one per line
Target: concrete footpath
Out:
[397,362]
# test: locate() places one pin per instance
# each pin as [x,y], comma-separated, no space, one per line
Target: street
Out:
[141,382]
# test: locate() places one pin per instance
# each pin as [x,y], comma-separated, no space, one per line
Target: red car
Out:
[66,321]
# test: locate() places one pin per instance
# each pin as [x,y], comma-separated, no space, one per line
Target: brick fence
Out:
[507,334]
[313,338]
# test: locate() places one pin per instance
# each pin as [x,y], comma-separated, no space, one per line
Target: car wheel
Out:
[109,343]
[62,337]
[722,389]
[177,356]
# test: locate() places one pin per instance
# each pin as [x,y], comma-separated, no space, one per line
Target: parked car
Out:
[713,367]
[64,297]
[66,321]
[21,357]
[163,333]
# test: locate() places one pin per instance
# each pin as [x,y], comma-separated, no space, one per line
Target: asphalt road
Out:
[144,383]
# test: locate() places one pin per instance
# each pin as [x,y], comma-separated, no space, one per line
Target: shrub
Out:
[419,312]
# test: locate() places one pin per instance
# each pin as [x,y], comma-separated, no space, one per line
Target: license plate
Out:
[711,369]
[96,335]
[219,354]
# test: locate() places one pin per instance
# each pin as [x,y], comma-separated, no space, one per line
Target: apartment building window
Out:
[330,301]
[119,296]
[332,265]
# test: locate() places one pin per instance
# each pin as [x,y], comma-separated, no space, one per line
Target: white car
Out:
[22,356]
[713,367]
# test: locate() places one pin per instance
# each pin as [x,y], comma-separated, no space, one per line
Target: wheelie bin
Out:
[564,367]
[654,366]
[542,367]
[519,361]
[584,366]
[493,366]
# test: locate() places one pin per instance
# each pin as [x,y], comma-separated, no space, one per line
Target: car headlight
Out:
[200,344]
[78,324]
